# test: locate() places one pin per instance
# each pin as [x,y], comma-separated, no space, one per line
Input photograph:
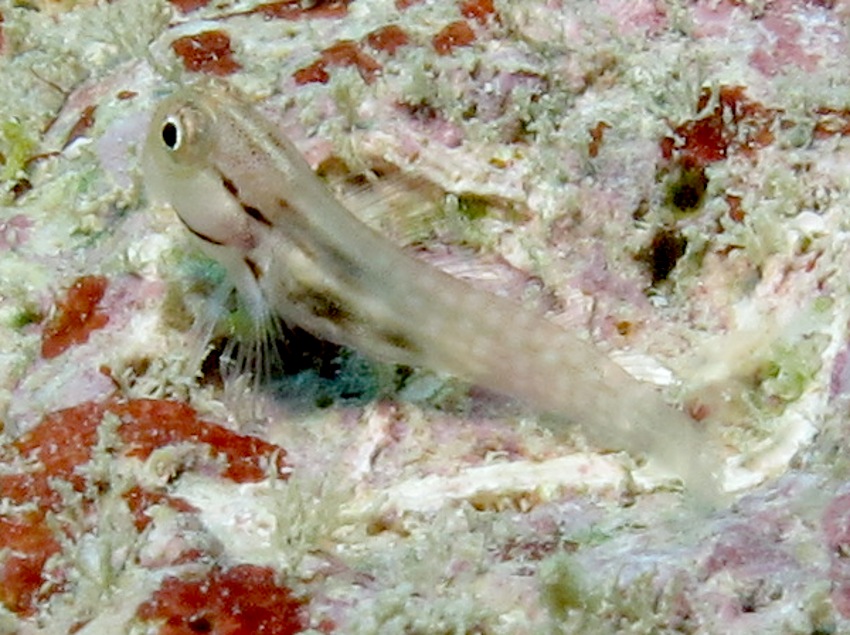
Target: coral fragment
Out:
[242,599]
[208,52]
[77,316]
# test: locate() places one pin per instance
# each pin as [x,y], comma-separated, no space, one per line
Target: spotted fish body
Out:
[244,191]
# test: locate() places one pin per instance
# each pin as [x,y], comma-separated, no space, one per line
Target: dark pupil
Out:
[169,135]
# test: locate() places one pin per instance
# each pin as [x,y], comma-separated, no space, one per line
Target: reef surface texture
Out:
[668,179]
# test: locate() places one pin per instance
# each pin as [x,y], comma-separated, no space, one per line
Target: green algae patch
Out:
[18,146]
[791,369]
[565,589]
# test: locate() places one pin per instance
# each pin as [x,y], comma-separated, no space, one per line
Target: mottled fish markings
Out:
[291,248]
[253,267]
[201,236]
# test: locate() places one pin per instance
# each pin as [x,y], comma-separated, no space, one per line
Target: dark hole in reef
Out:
[294,352]
[301,351]
[642,209]
[21,187]
[305,371]
[347,378]
[662,254]
[687,188]
[200,625]
[211,364]
[421,111]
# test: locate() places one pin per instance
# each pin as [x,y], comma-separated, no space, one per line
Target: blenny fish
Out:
[253,203]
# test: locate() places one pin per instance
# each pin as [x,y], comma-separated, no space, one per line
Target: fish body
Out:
[290,247]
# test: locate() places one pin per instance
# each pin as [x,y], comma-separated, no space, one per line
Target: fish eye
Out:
[171,136]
